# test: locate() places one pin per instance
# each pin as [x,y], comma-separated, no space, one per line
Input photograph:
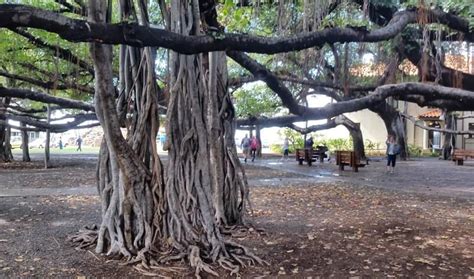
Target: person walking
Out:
[286,146]
[253,147]
[60,143]
[245,146]
[392,150]
[79,144]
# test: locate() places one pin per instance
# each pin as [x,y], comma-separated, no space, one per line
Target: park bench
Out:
[348,158]
[311,155]
[459,155]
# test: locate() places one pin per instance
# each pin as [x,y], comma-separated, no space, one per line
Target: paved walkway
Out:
[23,192]
[425,175]
[422,175]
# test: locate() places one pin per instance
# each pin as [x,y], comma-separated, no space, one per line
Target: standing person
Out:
[253,147]
[392,151]
[79,143]
[286,146]
[245,145]
[60,143]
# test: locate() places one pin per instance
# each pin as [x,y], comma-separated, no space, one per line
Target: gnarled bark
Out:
[130,174]
[196,195]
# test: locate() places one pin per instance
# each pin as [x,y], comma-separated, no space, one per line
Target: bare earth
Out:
[306,221]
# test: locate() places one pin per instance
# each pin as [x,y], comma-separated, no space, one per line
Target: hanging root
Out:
[85,238]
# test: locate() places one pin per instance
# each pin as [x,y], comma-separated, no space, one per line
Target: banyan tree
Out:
[153,212]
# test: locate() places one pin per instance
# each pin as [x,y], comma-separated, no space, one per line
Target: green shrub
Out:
[414,151]
[276,148]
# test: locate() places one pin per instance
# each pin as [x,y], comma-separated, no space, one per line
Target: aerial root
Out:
[85,238]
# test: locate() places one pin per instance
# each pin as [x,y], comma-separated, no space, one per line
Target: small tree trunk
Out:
[46,144]
[5,147]
[449,139]
[24,143]
[394,125]
[357,138]
[257,135]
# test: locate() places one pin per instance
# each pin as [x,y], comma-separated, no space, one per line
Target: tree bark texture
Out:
[129,172]
[203,187]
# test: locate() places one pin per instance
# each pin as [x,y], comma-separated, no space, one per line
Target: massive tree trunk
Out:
[139,215]
[130,174]
[5,147]
[195,193]
[394,125]
[24,143]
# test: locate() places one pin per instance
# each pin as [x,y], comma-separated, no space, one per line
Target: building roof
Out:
[432,114]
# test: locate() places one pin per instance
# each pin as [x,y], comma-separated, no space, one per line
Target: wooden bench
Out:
[310,155]
[459,155]
[348,158]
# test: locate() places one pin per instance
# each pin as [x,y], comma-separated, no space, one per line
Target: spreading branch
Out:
[59,128]
[77,120]
[422,126]
[58,51]
[419,93]
[48,84]
[44,98]
[13,16]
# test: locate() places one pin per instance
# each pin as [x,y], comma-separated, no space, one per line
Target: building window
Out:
[470,127]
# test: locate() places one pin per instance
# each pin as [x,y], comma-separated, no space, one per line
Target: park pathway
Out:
[428,176]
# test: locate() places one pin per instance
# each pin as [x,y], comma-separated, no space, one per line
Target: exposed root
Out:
[85,238]
[196,262]
[240,252]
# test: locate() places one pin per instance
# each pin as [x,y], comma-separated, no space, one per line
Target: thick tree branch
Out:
[422,94]
[44,98]
[422,126]
[32,111]
[62,53]
[331,123]
[58,128]
[77,120]
[48,84]
[260,72]
[13,16]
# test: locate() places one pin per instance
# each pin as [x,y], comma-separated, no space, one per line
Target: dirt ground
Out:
[327,228]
